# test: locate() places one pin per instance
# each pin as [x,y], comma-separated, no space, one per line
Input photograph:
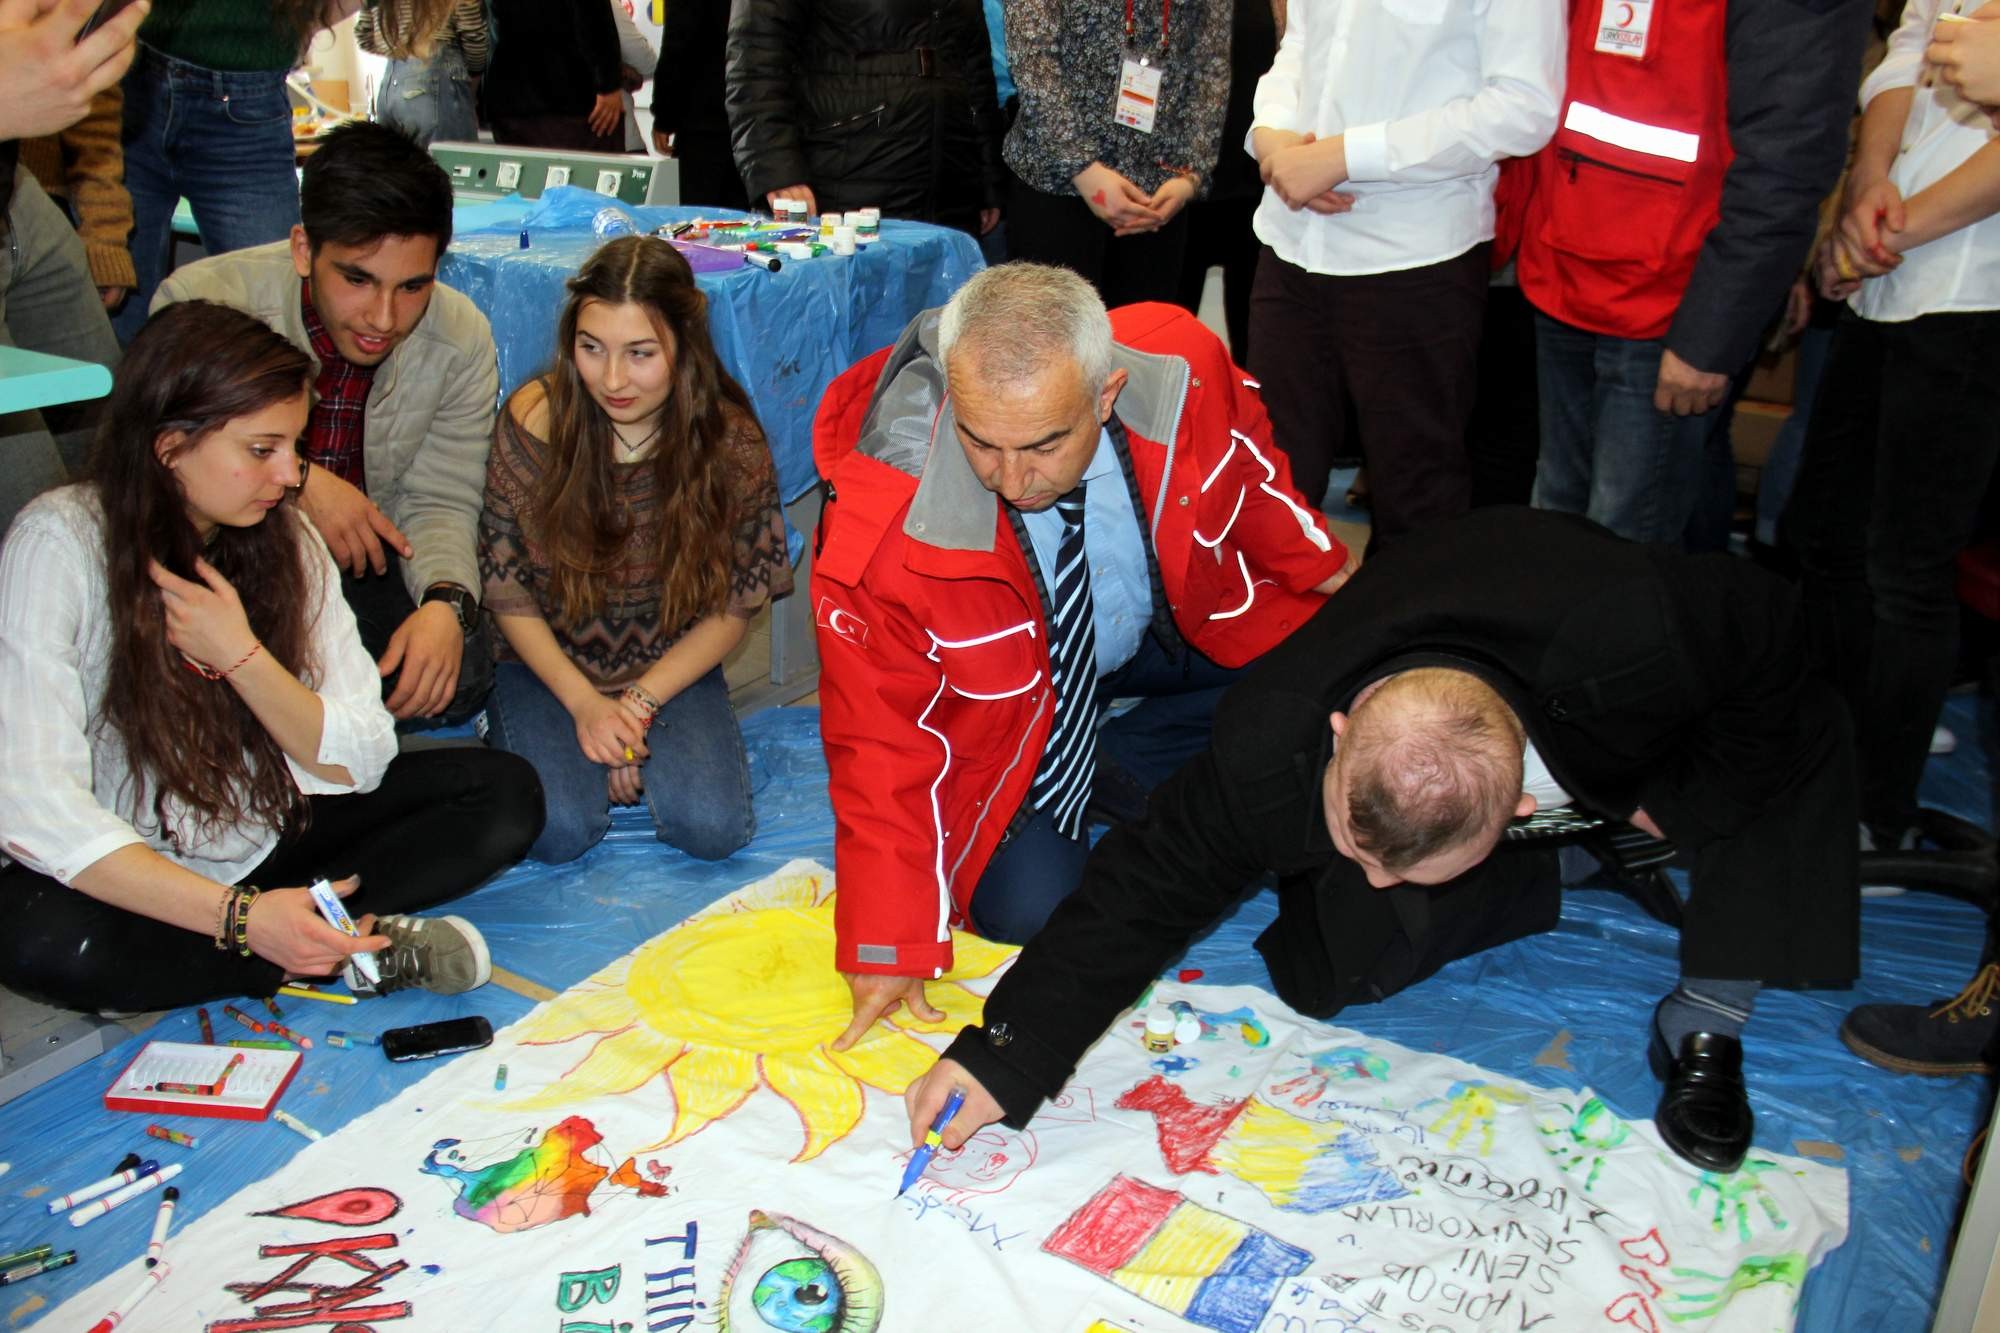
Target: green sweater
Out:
[222,34]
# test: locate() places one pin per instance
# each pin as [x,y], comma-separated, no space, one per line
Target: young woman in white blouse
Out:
[187,715]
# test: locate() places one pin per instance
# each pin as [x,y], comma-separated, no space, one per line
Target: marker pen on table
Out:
[147,1286]
[35,1267]
[90,1212]
[921,1158]
[156,1245]
[125,1173]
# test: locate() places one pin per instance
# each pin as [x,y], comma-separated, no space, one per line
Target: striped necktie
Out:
[1069,762]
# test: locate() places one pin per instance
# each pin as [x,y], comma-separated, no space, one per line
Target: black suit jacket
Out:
[1646,678]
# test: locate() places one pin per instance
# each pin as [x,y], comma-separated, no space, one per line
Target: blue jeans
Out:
[1607,453]
[429,99]
[220,139]
[1038,867]
[697,778]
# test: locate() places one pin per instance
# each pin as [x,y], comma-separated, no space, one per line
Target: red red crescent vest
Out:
[1624,195]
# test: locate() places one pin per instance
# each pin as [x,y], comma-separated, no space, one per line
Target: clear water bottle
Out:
[611,222]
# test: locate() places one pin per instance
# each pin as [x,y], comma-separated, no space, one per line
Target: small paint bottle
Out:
[1159,1038]
[843,240]
[870,229]
[828,224]
[1187,1026]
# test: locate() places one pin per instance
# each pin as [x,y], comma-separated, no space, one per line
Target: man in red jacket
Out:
[1033,509]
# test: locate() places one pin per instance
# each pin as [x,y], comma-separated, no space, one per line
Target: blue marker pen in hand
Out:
[921,1158]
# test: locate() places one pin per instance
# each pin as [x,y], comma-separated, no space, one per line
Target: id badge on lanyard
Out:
[1623,27]
[1140,74]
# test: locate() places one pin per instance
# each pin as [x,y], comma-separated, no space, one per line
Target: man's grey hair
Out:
[1018,319]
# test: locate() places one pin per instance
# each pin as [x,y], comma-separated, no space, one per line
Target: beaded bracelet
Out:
[240,900]
[222,910]
[644,702]
[207,672]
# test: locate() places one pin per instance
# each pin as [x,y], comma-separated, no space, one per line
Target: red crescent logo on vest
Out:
[1628,15]
[842,623]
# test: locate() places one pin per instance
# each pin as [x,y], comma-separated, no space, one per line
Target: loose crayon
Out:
[265,1045]
[303,1043]
[272,1005]
[323,996]
[207,1028]
[185,1140]
[296,1125]
[245,1019]
[19,1257]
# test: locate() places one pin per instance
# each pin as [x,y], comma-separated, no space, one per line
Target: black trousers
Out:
[1060,229]
[560,132]
[1897,462]
[1504,437]
[1219,232]
[1402,350]
[381,604]
[441,823]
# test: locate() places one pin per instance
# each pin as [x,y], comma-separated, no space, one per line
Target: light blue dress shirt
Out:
[1121,595]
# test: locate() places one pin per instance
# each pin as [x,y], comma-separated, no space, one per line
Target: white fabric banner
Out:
[677,1148]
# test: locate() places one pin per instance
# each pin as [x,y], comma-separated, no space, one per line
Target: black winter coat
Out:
[1646,679]
[872,103]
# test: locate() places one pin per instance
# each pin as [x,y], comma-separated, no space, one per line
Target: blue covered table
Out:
[784,335]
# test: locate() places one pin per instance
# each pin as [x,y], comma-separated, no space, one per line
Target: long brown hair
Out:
[571,510]
[193,368]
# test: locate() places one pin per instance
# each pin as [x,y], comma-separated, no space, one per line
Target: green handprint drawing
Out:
[1593,1130]
[1756,1271]
[1735,1191]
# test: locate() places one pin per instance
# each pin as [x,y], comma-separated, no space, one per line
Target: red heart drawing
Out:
[1631,1308]
[1643,1278]
[1647,1249]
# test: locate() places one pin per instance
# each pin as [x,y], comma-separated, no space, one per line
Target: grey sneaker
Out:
[444,954]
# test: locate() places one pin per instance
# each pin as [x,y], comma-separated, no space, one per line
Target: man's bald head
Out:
[1429,770]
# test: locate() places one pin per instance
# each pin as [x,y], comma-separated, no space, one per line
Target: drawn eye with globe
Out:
[795,1278]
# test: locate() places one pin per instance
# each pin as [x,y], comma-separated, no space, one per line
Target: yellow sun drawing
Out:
[741,995]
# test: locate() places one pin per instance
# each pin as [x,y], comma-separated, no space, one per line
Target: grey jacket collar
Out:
[909,426]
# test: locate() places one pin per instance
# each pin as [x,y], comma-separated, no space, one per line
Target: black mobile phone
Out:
[104,13]
[445,1037]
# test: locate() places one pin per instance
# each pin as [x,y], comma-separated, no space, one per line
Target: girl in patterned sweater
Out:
[631,530]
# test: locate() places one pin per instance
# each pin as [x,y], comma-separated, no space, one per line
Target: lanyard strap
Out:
[1166,17]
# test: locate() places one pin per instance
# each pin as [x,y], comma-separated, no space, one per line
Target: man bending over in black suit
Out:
[1508,661]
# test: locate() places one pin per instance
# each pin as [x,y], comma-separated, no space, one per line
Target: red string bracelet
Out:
[210,673]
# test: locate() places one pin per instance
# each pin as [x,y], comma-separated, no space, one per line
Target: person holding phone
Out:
[190,729]
[631,530]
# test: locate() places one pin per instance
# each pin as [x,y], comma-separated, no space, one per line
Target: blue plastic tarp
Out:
[1566,1008]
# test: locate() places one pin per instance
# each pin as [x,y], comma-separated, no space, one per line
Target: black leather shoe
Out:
[1704,1112]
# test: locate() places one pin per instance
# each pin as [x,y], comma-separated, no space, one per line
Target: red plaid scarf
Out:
[334,434]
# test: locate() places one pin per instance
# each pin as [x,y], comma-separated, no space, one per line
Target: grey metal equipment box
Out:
[485,171]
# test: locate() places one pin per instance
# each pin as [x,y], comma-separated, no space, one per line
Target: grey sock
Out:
[1705,1004]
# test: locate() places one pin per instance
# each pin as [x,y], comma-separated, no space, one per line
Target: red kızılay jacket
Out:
[934,674]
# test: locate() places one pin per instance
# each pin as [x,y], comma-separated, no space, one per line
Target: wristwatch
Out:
[463,604]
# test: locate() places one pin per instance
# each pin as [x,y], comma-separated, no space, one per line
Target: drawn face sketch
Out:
[990,1161]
